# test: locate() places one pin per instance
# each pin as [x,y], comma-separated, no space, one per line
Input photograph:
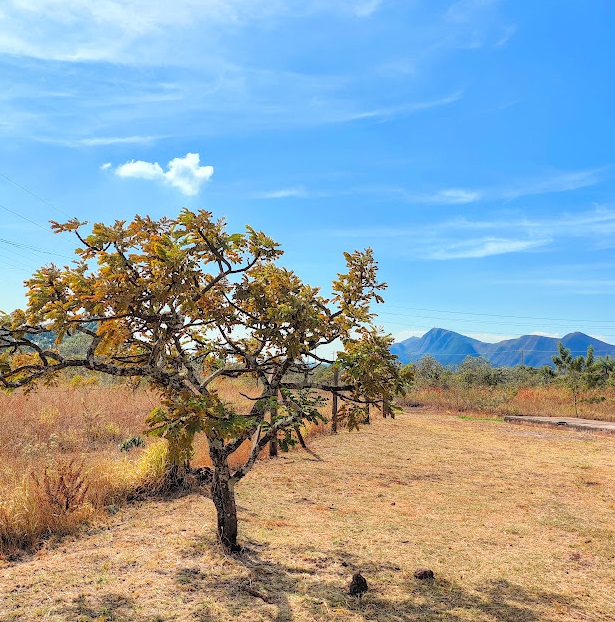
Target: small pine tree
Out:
[575,372]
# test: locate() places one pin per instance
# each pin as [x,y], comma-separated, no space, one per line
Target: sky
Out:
[469,143]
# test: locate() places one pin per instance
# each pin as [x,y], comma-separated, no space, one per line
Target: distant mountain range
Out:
[451,348]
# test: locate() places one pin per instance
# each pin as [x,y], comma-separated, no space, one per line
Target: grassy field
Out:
[517,524]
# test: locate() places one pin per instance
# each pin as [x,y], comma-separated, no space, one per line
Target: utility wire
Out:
[517,317]
[34,195]
[34,249]
[491,322]
[493,333]
[36,224]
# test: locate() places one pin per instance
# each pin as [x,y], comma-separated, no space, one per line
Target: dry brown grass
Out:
[548,401]
[43,431]
[517,524]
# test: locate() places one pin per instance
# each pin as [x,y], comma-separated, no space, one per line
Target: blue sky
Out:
[469,143]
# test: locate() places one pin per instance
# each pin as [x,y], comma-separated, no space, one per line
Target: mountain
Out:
[451,348]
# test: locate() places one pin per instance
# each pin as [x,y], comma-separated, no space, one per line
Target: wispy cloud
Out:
[558,182]
[462,238]
[571,286]
[453,196]
[366,8]
[115,30]
[550,184]
[600,220]
[283,193]
[103,141]
[485,247]
[185,173]
[408,108]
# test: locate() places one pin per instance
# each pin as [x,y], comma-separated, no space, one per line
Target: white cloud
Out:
[185,173]
[454,196]
[559,182]
[106,29]
[466,10]
[485,247]
[283,193]
[106,166]
[102,141]
[365,8]
[383,114]
[539,333]
[114,30]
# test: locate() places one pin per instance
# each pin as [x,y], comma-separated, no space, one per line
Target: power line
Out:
[34,249]
[36,224]
[33,194]
[17,262]
[517,317]
[491,322]
[490,332]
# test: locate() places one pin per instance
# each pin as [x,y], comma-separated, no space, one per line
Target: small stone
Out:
[358,585]
[423,574]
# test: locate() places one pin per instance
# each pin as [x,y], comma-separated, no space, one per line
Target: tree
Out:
[478,371]
[182,303]
[431,373]
[576,372]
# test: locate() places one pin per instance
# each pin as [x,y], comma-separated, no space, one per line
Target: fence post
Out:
[336,375]
[273,443]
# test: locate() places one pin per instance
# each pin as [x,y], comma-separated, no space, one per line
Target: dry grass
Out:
[517,524]
[78,422]
[537,401]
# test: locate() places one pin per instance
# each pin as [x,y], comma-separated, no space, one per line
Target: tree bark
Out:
[223,496]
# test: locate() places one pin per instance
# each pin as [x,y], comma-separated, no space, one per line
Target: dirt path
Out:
[573,423]
[517,525]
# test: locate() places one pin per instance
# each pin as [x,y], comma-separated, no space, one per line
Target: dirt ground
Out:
[518,525]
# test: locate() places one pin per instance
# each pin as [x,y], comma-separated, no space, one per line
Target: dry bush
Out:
[62,489]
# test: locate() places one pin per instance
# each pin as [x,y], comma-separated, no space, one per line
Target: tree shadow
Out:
[109,606]
[321,586]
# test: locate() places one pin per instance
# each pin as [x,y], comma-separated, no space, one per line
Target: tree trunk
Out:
[223,496]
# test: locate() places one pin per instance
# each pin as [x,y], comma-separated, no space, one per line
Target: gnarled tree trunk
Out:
[223,496]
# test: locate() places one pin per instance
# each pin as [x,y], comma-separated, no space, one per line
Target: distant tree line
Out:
[575,374]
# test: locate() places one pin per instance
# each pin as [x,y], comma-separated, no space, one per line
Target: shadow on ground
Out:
[319,587]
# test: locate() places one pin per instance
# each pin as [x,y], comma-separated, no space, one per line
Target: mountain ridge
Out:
[451,348]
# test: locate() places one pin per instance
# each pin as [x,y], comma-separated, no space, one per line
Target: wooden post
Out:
[273,443]
[336,378]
